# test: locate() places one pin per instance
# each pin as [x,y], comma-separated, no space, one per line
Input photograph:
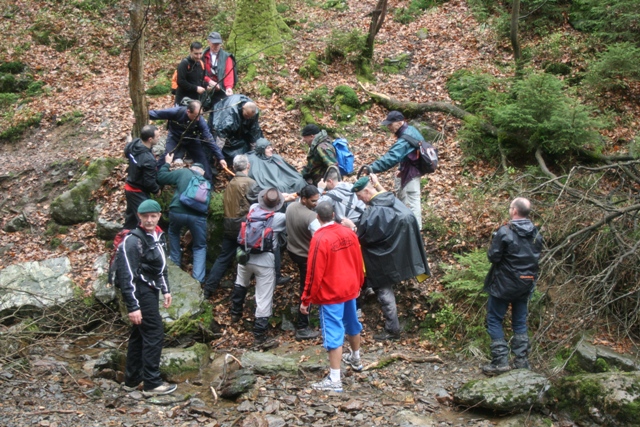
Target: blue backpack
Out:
[344,156]
[197,195]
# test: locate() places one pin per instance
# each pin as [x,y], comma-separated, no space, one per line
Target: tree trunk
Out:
[515,43]
[257,29]
[136,67]
[377,19]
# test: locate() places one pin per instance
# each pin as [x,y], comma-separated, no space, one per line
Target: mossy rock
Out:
[12,67]
[159,90]
[396,65]
[310,67]
[614,396]
[175,362]
[339,5]
[76,205]
[558,68]
[346,104]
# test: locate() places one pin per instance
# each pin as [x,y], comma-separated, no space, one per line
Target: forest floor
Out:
[88,88]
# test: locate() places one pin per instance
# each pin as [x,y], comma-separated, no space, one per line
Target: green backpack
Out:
[198,194]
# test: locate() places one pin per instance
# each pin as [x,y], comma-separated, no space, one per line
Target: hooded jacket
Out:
[273,171]
[143,264]
[344,201]
[230,124]
[321,155]
[514,254]
[400,152]
[392,246]
[142,172]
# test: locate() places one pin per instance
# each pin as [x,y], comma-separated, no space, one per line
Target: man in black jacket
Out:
[392,248]
[142,275]
[191,75]
[514,254]
[142,173]
[236,123]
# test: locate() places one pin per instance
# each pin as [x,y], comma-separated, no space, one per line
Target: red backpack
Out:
[256,234]
[117,251]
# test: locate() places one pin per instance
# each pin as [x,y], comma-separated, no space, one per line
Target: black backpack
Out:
[118,252]
[427,161]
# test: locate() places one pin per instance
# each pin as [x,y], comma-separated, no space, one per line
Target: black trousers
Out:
[134,199]
[145,342]
[301,262]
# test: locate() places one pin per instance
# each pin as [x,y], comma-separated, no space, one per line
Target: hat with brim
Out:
[214,37]
[392,117]
[360,184]
[270,199]
[149,206]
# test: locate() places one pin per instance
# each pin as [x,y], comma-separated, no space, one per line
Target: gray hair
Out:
[522,206]
[240,163]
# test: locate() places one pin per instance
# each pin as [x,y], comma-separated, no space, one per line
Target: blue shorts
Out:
[335,320]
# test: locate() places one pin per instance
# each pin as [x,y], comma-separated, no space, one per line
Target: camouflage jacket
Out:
[321,155]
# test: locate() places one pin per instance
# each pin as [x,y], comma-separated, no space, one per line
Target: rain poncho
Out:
[273,171]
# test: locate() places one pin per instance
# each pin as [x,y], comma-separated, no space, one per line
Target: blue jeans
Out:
[224,260]
[497,309]
[198,227]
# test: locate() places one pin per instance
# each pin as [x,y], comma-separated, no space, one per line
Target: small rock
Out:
[255,420]
[290,400]
[352,406]
[246,406]
[275,421]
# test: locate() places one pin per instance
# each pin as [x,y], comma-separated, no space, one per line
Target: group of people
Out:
[342,237]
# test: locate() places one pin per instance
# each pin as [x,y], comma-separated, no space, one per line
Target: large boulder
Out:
[36,285]
[609,398]
[176,362]
[514,391]
[186,293]
[75,205]
[102,290]
[596,359]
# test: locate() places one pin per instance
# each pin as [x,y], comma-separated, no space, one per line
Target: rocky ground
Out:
[56,391]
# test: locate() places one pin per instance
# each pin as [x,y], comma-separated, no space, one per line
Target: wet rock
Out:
[352,406]
[530,419]
[275,421]
[255,420]
[409,418]
[610,397]
[176,361]
[107,230]
[239,382]
[265,363]
[246,406]
[110,359]
[290,400]
[16,223]
[76,205]
[186,293]
[167,400]
[501,393]
[596,359]
[35,285]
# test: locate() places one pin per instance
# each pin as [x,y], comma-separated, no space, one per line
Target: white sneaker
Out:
[328,385]
[165,388]
[350,360]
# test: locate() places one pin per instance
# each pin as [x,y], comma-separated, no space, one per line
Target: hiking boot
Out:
[265,343]
[283,280]
[129,388]
[306,334]
[368,292]
[235,318]
[237,302]
[350,360]
[165,388]
[499,359]
[328,385]
[386,336]
[520,348]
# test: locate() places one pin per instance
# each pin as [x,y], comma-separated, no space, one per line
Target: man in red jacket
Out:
[335,274]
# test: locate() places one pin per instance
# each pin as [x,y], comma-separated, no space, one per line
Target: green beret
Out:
[149,206]
[360,184]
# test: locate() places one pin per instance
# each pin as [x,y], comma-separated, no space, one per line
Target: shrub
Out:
[348,45]
[7,99]
[16,131]
[471,89]
[465,282]
[405,15]
[339,5]
[13,67]
[612,69]
[317,98]
[310,67]
[612,20]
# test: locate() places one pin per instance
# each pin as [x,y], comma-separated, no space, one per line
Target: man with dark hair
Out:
[191,82]
[514,254]
[333,281]
[239,194]
[321,155]
[348,209]
[187,131]
[407,182]
[141,174]
[300,215]
[236,123]
[181,216]
[142,275]
[219,67]
[392,248]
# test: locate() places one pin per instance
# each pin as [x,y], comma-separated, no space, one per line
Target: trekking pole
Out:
[363,168]
[228,171]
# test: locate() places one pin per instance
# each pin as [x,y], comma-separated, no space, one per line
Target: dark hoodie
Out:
[514,254]
[273,171]
[392,246]
[142,172]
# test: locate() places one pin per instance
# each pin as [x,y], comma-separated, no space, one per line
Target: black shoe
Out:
[283,280]
[207,294]
[386,336]
[491,370]
[306,334]
[235,318]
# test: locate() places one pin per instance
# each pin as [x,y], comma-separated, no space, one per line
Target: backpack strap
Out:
[415,142]
[349,205]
